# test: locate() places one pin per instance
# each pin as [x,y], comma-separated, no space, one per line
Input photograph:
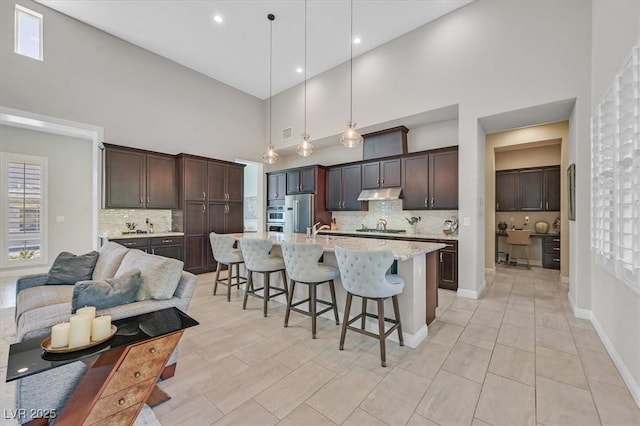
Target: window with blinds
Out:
[615,172]
[24,213]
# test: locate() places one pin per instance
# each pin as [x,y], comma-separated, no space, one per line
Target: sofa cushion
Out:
[111,255]
[160,275]
[33,298]
[119,290]
[69,268]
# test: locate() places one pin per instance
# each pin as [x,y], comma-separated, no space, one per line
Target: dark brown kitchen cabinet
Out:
[225,183]
[551,251]
[448,270]
[430,180]
[218,206]
[276,188]
[139,179]
[301,181]
[531,189]
[381,174]
[344,187]
[507,191]
[552,189]
[167,247]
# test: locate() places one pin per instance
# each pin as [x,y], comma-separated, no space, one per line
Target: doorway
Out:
[253,217]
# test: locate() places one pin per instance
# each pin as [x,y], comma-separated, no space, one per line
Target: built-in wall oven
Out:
[275,218]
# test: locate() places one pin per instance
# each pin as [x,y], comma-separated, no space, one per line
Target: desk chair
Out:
[519,238]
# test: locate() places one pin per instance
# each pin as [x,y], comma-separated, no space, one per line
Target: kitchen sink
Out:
[382,231]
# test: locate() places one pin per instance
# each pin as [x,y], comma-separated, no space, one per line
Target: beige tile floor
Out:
[517,356]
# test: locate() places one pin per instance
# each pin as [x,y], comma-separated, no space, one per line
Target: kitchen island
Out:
[416,263]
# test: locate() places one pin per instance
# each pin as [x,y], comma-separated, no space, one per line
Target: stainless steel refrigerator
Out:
[299,213]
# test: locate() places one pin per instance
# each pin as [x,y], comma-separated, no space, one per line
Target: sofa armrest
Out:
[185,289]
[28,281]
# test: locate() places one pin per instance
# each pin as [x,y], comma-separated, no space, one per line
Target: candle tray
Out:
[46,344]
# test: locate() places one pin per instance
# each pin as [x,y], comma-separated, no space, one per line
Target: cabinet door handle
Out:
[556,249]
[426,202]
[556,260]
[382,181]
[377,181]
[204,209]
[121,401]
[167,241]
[153,251]
[204,195]
[431,202]
[540,205]
[141,200]
[152,350]
[556,240]
[547,205]
[497,206]
[440,257]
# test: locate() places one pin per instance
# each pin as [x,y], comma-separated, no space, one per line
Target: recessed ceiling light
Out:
[299,70]
[218,19]
[357,40]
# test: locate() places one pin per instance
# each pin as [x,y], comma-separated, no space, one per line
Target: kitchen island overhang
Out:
[417,264]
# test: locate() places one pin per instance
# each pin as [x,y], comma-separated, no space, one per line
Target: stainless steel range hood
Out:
[382,194]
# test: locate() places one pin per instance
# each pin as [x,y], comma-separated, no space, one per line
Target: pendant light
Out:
[270,156]
[351,138]
[305,148]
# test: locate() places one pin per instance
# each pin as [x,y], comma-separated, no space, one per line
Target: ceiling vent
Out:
[286,133]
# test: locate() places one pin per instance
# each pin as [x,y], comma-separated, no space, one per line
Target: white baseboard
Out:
[634,387]
[472,294]
[625,373]
[490,270]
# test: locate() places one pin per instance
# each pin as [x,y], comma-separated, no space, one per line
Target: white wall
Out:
[140,99]
[69,186]
[615,309]
[488,58]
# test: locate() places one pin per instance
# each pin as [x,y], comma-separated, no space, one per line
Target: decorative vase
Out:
[541,227]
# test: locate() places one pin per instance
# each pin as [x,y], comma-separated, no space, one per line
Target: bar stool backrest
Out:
[363,272]
[256,253]
[301,260]
[222,247]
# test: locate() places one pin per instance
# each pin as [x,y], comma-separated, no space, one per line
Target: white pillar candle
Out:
[60,335]
[87,310]
[101,327]
[80,331]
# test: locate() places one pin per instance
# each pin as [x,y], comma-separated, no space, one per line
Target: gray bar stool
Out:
[225,254]
[364,274]
[301,261]
[257,258]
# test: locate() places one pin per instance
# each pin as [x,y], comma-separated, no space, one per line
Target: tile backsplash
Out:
[431,223]
[112,221]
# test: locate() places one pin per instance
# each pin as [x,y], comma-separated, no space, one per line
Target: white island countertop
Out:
[407,235]
[402,250]
[141,235]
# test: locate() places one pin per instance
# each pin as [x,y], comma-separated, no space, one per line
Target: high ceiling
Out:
[236,51]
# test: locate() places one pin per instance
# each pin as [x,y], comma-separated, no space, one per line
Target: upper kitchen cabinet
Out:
[225,182]
[344,187]
[430,180]
[276,188]
[301,181]
[194,178]
[139,179]
[381,174]
[532,189]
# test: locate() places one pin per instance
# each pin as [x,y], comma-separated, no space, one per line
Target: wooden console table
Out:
[123,371]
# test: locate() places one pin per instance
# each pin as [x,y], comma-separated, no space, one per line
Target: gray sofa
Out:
[40,306]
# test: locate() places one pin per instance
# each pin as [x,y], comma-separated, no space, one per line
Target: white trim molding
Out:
[472,294]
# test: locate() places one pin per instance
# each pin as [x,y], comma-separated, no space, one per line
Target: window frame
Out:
[5,159]
[16,31]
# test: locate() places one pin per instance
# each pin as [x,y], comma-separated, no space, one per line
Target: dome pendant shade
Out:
[351,138]
[270,156]
[305,149]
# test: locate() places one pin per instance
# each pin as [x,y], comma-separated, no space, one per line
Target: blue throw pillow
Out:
[116,291]
[69,268]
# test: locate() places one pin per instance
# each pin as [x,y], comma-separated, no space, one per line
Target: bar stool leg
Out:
[289,302]
[215,283]
[383,352]
[364,312]
[333,300]
[248,288]
[347,308]
[267,276]
[230,273]
[396,313]
[312,309]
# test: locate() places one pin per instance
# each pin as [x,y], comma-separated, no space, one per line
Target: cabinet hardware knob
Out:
[426,202]
[121,401]
[152,350]
[556,248]
[137,374]
[167,241]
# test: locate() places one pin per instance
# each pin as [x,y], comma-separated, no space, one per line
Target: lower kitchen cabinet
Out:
[448,272]
[167,246]
[551,252]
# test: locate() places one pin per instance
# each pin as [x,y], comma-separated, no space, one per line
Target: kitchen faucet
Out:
[316,229]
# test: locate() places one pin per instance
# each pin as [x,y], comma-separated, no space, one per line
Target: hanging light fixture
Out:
[270,156]
[305,148]
[351,138]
